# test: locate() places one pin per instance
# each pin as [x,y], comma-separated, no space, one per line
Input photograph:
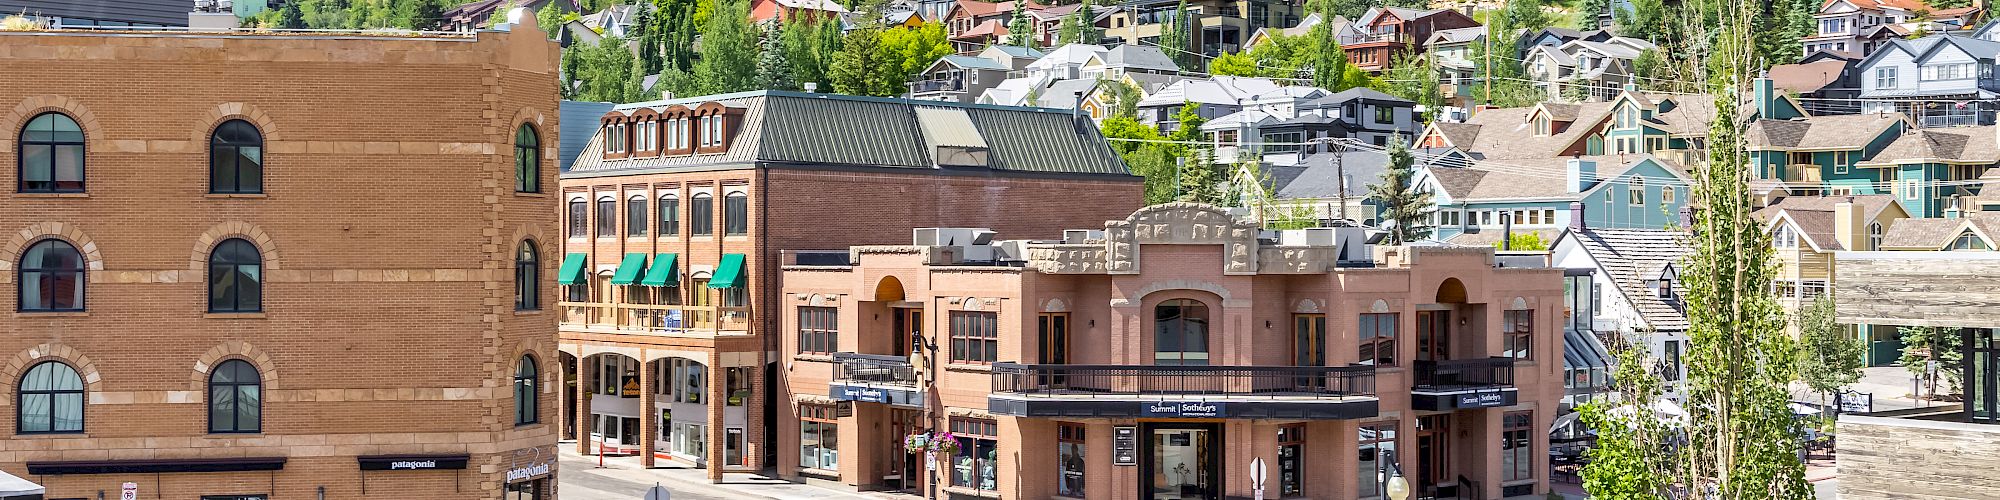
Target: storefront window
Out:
[690,380]
[1374,439]
[819,438]
[1291,460]
[691,440]
[617,376]
[1069,459]
[739,385]
[527,490]
[1516,461]
[978,460]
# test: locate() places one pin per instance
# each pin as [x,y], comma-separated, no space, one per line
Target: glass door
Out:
[1433,332]
[1054,329]
[1309,348]
[1433,454]
[909,325]
[901,469]
[1185,463]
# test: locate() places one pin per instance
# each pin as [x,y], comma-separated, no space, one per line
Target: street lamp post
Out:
[922,354]
[1387,474]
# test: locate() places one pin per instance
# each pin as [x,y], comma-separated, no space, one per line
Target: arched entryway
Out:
[611,393]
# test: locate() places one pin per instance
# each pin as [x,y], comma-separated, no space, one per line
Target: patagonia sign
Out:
[527,472]
[409,462]
[1181,409]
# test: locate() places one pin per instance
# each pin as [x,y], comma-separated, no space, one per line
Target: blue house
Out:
[1953,71]
[1812,156]
[1938,172]
[1475,203]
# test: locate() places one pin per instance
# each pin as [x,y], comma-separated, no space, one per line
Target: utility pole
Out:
[1489,60]
[1340,171]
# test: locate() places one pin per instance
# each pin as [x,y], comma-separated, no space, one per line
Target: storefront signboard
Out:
[1181,409]
[1125,445]
[1486,399]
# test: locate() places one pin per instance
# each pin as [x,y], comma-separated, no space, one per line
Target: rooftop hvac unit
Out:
[951,236]
[1081,236]
[1311,237]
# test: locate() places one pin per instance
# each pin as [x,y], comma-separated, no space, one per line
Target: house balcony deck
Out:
[874,378]
[1463,384]
[1174,391]
[599,317]
[1373,38]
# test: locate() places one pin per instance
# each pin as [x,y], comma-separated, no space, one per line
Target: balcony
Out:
[1462,384]
[1154,391]
[1391,37]
[661,319]
[874,378]
[920,87]
[1802,173]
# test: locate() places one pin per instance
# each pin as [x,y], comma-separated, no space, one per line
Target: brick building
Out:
[1158,357]
[679,213]
[250,266]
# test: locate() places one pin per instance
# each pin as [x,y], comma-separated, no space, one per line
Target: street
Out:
[621,479]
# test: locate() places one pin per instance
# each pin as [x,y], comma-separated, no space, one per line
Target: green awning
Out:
[630,269]
[728,274]
[572,269]
[662,273]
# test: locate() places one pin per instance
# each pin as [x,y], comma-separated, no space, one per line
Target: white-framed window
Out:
[1635,192]
[1912,190]
[1874,236]
[1783,237]
[1885,78]
[1969,241]
[1666,194]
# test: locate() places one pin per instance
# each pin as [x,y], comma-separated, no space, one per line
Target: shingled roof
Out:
[1934,234]
[1965,145]
[1821,132]
[1629,256]
[821,130]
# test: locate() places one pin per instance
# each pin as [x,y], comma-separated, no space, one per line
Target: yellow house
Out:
[1806,231]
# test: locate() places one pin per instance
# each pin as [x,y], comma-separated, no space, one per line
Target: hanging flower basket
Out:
[944,443]
[917,443]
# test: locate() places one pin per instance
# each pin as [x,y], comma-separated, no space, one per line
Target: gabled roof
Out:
[1974,145]
[1808,77]
[1138,57]
[1016,51]
[1872,205]
[1342,97]
[1074,54]
[1319,177]
[1975,47]
[780,128]
[1219,90]
[825,5]
[1908,5]
[1826,132]
[1541,178]
[1507,133]
[1608,49]
[1250,117]
[992,27]
[1987,31]
[1936,234]
[971,62]
[1629,257]
[1456,35]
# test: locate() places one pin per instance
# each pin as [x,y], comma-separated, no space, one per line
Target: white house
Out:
[1634,280]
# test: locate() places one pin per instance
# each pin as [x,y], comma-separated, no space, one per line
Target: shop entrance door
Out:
[902,471]
[1434,457]
[1183,462]
[909,325]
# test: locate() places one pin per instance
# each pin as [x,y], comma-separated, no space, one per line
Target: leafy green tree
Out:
[1405,207]
[910,50]
[1412,77]
[1830,358]
[603,71]
[646,33]
[1740,441]
[728,50]
[1925,345]
[1329,61]
[1628,461]
[674,31]
[1201,179]
[550,19]
[1087,30]
[773,70]
[1524,15]
[1351,9]
[810,44]
[1587,12]
[1070,29]
[853,71]
[1188,127]
[1124,99]
[1575,90]
[1233,64]
[1177,38]
[1529,240]
[429,15]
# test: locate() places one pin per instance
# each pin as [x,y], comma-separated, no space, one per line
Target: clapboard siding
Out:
[1954,289]
[159,12]
[1890,458]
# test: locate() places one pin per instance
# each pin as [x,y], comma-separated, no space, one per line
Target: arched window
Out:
[579,218]
[235,398]
[527,278]
[701,215]
[735,214]
[51,277]
[51,155]
[1875,236]
[1180,333]
[670,216]
[527,408]
[607,217]
[51,400]
[235,277]
[236,158]
[527,160]
[636,215]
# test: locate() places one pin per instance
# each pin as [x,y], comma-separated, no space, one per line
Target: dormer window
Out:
[1663,284]
[1543,126]
[1783,237]
[1967,241]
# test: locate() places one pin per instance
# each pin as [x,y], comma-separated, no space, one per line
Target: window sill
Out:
[235,195]
[52,314]
[524,194]
[245,315]
[233,435]
[529,312]
[961,490]
[50,435]
[53,195]
[968,368]
[817,358]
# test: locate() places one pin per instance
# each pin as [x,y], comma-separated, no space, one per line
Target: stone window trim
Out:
[16,121]
[267,372]
[17,243]
[266,247]
[10,374]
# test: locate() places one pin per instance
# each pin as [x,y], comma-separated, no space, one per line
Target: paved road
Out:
[580,479]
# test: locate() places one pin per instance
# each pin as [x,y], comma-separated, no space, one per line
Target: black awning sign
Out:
[414,462]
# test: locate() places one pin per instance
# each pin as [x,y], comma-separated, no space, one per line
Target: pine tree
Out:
[1071,29]
[852,69]
[809,49]
[1588,12]
[774,71]
[429,15]
[1087,31]
[291,17]
[675,29]
[1200,179]
[1177,40]
[1021,29]
[1412,77]
[728,50]
[648,36]
[1406,209]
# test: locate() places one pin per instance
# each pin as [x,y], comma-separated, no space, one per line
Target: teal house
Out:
[1476,203]
[1939,172]
[1819,155]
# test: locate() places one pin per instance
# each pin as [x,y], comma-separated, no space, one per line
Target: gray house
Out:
[1367,115]
[960,78]
[1939,80]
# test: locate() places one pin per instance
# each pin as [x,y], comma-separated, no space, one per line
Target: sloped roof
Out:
[1628,257]
[825,5]
[1490,237]
[1541,177]
[1068,55]
[970,62]
[1456,35]
[1967,144]
[1139,56]
[1808,77]
[1154,82]
[1016,51]
[1507,133]
[992,27]
[1458,182]
[1319,177]
[1341,97]
[1614,50]
[1821,132]
[1224,90]
[828,130]
[1063,93]
[1930,234]
[1871,205]
[1909,5]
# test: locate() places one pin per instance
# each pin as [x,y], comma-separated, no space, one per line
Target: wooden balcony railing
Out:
[657,318]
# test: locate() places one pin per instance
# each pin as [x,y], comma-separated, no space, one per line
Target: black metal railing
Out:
[1482,372]
[1328,381]
[873,368]
[938,85]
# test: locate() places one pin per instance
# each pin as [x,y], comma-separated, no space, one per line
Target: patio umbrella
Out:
[1802,409]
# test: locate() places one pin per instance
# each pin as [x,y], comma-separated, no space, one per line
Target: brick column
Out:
[582,406]
[718,378]
[649,416]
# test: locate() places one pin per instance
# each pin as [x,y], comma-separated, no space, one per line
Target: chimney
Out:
[1576,215]
[1582,175]
[1847,225]
[1765,93]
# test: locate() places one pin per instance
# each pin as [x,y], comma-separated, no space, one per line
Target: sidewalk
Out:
[622,476]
